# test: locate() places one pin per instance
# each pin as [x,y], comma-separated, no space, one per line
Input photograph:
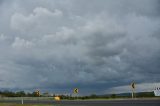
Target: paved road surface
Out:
[90,103]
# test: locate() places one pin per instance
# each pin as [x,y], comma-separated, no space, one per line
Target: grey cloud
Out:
[56,45]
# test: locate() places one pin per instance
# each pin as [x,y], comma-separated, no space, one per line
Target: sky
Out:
[97,46]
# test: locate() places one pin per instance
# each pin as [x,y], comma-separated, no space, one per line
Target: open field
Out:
[27,98]
[9,104]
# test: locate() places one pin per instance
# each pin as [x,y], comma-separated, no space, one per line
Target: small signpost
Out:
[37,92]
[75,91]
[133,89]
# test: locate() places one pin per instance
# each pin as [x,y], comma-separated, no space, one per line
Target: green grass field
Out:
[8,104]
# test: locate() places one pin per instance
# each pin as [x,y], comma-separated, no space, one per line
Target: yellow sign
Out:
[57,98]
[133,85]
[37,92]
[76,90]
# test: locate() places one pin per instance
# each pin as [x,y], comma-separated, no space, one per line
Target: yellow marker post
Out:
[57,98]
[37,92]
[76,92]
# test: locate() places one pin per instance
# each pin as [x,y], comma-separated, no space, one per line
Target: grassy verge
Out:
[9,104]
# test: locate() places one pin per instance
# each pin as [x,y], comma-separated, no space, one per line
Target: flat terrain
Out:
[82,103]
[10,104]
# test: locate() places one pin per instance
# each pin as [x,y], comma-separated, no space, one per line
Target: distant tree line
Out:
[110,96]
[70,97]
[145,94]
[17,94]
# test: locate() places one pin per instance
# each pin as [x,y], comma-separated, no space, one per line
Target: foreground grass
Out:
[9,104]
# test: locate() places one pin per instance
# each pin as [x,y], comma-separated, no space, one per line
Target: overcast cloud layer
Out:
[98,46]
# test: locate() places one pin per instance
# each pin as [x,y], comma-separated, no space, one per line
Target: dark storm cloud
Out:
[1,1]
[58,45]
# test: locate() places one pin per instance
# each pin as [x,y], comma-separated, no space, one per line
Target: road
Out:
[90,103]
